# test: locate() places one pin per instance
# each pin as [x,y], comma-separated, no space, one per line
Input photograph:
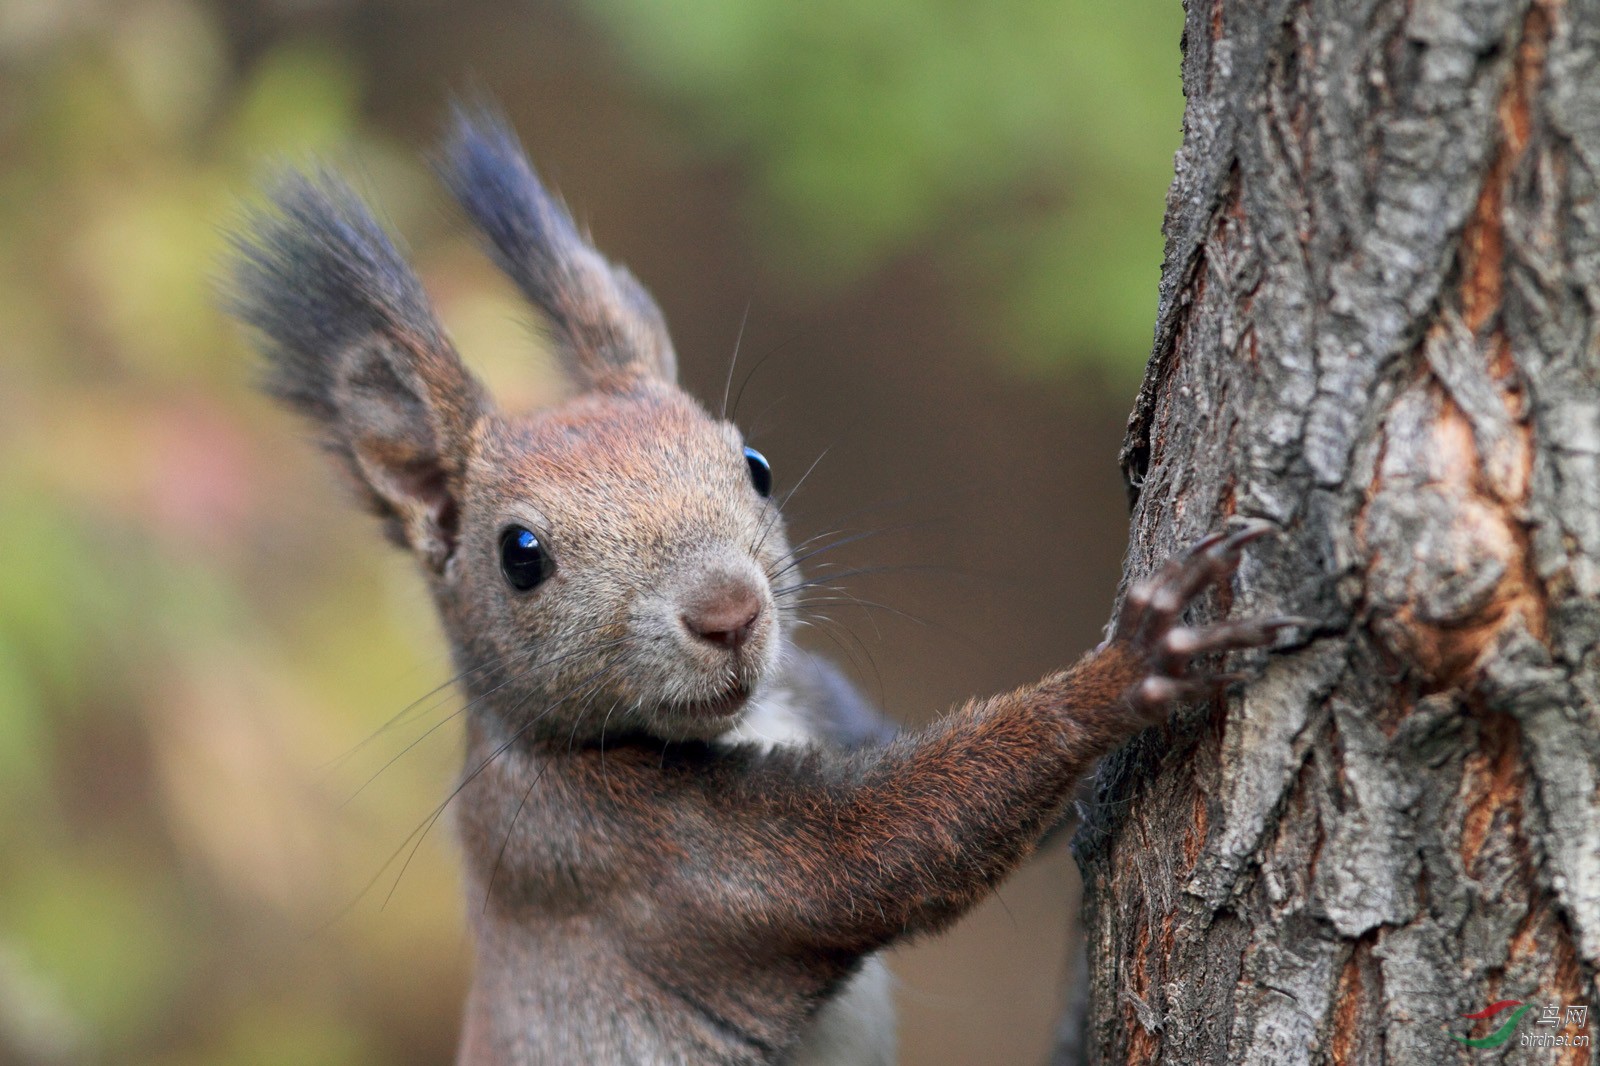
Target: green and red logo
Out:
[1502,1034]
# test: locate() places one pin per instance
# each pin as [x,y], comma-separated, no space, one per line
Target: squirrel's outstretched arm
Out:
[815,850]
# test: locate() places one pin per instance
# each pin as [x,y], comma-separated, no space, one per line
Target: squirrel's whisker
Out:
[776,512]
[399,718]
[440,809]
[733,415]
[733,362]
[528,655]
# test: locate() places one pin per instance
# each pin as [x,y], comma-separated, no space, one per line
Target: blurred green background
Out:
[939,223]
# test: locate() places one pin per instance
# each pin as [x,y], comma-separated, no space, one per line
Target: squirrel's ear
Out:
[607,327]
[352,343]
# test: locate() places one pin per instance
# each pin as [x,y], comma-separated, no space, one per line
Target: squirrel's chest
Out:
[857,1026]
[567,950]
[775,721]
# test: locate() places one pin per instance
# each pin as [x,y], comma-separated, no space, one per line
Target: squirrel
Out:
[691,841]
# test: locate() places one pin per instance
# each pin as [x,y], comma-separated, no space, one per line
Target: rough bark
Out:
[1377,328]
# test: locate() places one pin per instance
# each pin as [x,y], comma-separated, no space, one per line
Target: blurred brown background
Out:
[939,226]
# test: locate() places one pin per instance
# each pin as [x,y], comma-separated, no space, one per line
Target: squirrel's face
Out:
[605,565]
[614,567]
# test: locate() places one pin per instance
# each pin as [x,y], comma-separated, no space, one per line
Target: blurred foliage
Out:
[1035,136]
[173,676]
[192,626]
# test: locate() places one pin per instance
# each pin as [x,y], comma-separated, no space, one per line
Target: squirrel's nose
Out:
[724,614]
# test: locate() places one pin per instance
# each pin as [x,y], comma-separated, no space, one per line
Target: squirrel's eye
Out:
[523,559]
[760,470]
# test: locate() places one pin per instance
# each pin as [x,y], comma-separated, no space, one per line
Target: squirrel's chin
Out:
[702,719]
[717,708]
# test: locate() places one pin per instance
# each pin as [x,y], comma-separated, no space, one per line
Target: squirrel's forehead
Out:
[620,442]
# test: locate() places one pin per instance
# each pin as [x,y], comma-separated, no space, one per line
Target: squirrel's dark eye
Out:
[523,559]
[760,470]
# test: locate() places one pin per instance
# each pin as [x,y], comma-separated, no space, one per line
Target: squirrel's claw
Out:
[1150,621]
[1155,604]
[1186,642]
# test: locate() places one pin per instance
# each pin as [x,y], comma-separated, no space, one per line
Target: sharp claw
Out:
[1154,605]
[1229,636]
[1257,631]
[1158,601]
[1184,643]
[1251,529]
[1206,543]
[1157,692]
[1218,683]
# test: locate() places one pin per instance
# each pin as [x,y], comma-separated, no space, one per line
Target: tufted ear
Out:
[608,328]
[352,343]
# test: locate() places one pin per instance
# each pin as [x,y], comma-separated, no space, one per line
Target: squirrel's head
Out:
[603,565]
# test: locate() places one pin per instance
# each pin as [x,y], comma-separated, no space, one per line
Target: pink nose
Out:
[724,614]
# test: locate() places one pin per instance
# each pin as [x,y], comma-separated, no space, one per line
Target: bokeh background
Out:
[935,224]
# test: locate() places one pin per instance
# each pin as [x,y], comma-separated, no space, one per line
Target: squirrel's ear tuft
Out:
[606,325]
[352,343]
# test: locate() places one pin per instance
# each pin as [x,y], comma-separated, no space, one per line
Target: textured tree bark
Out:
[1377,329]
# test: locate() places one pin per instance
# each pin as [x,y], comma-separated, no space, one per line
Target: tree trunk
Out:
[1377,329]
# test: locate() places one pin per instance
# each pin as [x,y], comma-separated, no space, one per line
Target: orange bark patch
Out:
[1483,243]
[1568,986]
[1544,943]
[1142,1043]
[1485,523]
[1195,838]
[1493,782]
[1345,1039]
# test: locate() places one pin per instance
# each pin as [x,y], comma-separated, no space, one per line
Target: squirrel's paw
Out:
[1149,626]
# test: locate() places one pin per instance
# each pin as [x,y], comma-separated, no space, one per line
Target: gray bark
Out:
[1377,329]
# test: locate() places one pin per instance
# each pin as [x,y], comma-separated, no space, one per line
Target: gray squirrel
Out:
[690,841]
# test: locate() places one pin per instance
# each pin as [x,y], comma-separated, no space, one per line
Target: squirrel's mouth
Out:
[720,706]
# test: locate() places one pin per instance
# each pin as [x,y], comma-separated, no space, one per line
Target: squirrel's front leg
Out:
[901,839]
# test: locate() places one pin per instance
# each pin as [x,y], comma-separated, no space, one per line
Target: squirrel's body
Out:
[685,842]
[582,989]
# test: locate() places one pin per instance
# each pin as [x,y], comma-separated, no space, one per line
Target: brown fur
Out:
[644,885]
